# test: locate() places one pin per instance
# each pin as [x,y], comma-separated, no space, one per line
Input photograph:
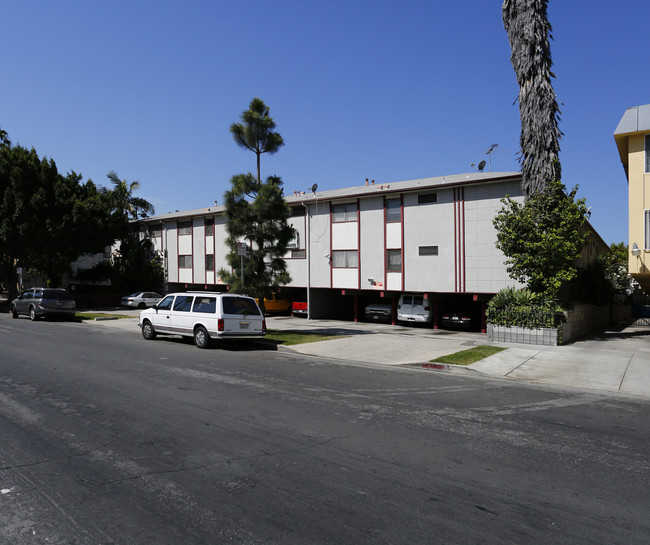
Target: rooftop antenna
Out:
[480,166]
[489,154]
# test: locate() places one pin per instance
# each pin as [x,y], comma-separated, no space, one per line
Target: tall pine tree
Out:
[256,211]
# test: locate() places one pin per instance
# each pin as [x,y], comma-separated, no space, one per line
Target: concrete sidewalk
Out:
[615,361]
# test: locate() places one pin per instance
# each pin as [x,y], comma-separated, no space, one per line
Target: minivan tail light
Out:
[427,309]
[220,325]
[263,326]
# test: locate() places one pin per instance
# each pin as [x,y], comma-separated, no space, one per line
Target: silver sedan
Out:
[141,299]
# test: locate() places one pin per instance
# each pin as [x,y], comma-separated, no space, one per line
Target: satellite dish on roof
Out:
[481,166]
[314,188]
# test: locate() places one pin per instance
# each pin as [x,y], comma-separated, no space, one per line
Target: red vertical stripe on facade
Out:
[463,239]
[401,205]
[455,247]
[385,247]
[192,246]
[331,250]
[358,244]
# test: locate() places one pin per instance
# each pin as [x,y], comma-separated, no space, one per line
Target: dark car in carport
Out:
[457,319]
[44,303]
[378,312]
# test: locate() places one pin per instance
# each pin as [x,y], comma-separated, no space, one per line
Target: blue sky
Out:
[359,89]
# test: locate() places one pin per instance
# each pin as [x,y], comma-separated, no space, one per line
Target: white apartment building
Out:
[365,244]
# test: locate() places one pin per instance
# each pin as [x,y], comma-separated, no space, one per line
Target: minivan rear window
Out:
[240,305]
[56,294]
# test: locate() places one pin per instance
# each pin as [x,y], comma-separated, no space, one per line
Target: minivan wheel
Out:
[32,314]
[148,332]
[201,337]
[14,312]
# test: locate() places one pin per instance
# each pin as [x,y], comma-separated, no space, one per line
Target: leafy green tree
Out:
[137,265]
[125,201]
[615,266]
[255,132]
[529,34]
[542,238]
[48,220]
[4,139]
[257,212]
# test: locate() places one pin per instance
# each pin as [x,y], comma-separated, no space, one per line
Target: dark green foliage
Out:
[542,238]
[123,200]
[606,275]
[257,212]
[615,265]
[262,223]
[529,33]
[256,133]
[137,266]
[48,220]
[4,139]
[523,308]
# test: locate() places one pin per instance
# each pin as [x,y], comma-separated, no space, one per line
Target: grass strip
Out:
[93,315]
[288,338]
[472,355]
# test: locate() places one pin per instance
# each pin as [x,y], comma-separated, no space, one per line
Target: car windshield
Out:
[136,294]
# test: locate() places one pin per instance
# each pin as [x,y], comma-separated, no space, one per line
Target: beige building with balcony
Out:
[633,140]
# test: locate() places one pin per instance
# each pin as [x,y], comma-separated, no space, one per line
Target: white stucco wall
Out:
[459,224]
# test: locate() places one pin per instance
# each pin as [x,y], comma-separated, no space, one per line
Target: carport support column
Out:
[483,321]
[435,314]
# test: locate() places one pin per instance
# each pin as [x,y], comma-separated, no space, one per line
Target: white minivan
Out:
[204,316]
[413,307]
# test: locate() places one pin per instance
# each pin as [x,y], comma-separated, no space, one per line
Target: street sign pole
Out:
[241,250]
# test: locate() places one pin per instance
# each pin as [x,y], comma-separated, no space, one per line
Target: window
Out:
[185,261]
[298,254]
[425,198]
[647,229]
[240,305]
[209,227]
[297,211]
[345,259]
[647,152]
[183,303]
[156,231]
[184,227]
[209,262]
[207,305]
[394,210]
[166,303]
[428,250]
[394,260]
[344,212]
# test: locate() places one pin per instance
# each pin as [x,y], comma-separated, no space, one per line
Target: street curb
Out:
[450,367]
[104,318]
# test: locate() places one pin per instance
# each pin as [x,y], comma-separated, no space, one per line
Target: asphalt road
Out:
[106,438]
